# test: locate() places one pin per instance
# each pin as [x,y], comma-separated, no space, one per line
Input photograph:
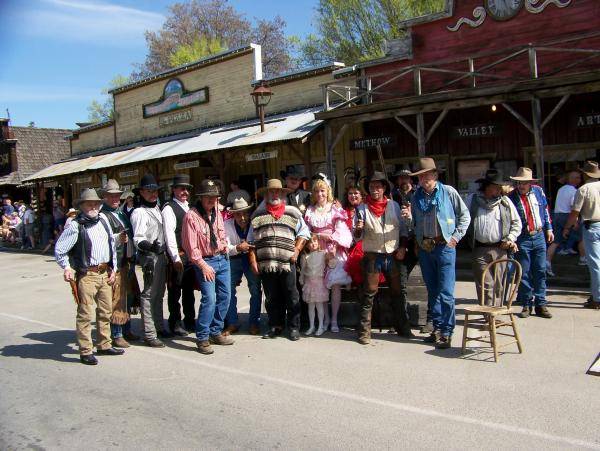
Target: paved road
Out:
[318,393]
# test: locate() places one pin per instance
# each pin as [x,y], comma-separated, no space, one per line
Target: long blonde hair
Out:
[317,185]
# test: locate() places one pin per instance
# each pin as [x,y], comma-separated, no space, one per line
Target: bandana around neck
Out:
[145,203]
[276,210]
[377,207]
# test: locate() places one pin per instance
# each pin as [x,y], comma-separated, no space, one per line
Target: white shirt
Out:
[28,217]
[487,225]
[564,199]
[233,239]
[169,225]
[147,225]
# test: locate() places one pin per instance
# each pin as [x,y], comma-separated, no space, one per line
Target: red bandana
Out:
[276,210]
[377,207]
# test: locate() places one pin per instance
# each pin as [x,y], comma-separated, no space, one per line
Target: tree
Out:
[351,31]
[186,53]
[214,21]
[104,111]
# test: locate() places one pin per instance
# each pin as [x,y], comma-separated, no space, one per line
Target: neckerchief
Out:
[276,210]
[377,207]
[241,233]
[145,203]
[427,202]
[210,222]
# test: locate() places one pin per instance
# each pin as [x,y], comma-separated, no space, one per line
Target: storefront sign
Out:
[80,180]
[187,165]
[262,156]
[128,174]
[50,184]
[586,120]
[371,143]
[175,118]
[477,131]
[175,97]
[5,162]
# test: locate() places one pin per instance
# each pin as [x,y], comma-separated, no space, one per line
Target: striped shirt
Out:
[100,244]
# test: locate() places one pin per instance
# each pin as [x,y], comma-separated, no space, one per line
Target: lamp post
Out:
[261,96]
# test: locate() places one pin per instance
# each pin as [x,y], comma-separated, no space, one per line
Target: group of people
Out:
[304,246]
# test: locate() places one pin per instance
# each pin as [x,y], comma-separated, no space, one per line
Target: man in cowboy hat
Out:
[236,230]
[278,233]
[440,219]
[495,226]
[403,191]
[180,272]
[536,231]
[148,236]
[384,234]
[587,205]
[203,239]
[120,326]
[296,196]
[86,253]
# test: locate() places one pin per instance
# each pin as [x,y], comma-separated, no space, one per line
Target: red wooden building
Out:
[482,83]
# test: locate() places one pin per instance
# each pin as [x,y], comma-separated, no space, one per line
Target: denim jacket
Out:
[452,215]
[538,199]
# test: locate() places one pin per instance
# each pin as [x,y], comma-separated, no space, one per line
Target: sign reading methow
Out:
[175,97]
[371,143]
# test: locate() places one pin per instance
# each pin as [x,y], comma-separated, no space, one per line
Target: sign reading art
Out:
[477,131]
[175,118]
[586,120]
[261,156]
[371,143]
[175,97]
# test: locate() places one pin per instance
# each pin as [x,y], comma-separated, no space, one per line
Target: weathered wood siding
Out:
[94,139]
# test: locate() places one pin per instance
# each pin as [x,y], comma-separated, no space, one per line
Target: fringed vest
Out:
[275,239]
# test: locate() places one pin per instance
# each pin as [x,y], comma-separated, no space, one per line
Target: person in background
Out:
[587,206]
[236,230]
[237,193]
[403,191]
[128,204]
[58,212]
[7,206]
[296,196]
[69,216]
[29,218]
[562,208]
[48,228]
[532,206]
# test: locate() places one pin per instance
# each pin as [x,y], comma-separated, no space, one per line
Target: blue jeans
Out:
[438,269]
[532,257]
[215,297]
[591,242]
[239,267]
[117,330]
[560,220]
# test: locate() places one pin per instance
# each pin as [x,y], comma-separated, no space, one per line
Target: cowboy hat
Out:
[209,188]
[590,168]
[239,205]
[524,175]
[274,184]
[149,182]
[293,171]
[494,177]
[425,165]
[71,212]
[378,176]
[127,194]
[88,195]
[402,173]
[182,180]
[111,187]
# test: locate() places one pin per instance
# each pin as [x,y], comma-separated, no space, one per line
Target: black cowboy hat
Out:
[182,180]
[148,182]
[494,177]
[209,188]
[378,176]
[293,171]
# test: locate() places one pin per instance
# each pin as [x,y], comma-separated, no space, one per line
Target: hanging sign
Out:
[175,97]
[261,156]
[187,164]
[588,120]
[371,143]
[175,118]
[50,184]
[128,174]
[80,180]
[477,131]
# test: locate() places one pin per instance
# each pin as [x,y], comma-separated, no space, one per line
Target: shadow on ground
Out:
[54,345]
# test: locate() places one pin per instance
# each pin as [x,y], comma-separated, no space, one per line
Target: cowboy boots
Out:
[364,326]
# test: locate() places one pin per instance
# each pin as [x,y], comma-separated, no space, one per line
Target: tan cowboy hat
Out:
[425,165]
[88,195]
[111,187]
[590,168]
[72,212]
[239,205]
[524,175]
[127,194]
[273,184]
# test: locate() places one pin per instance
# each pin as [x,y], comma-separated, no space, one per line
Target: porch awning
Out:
[296,125]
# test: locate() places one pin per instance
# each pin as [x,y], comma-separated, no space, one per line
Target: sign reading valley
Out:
[174,98]
[477,131]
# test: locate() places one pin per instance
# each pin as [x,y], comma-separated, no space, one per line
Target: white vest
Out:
[380,238]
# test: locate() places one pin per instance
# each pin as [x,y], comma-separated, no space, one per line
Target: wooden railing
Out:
[527,62]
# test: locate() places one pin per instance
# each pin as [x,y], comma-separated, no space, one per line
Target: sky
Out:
[58,55]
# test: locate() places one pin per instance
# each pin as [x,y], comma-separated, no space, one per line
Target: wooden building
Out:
[479,84]
[200,119]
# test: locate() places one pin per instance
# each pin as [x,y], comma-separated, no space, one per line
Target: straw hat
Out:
[524,175]
[590,168]
[239,205]
[111,187]
[425,165]
[88,195]
[273,184]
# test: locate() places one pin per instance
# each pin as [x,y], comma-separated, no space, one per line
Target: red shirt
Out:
[195,237]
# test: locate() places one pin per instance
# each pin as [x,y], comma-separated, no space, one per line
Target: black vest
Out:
[179,215]
[79,255]
[117,227]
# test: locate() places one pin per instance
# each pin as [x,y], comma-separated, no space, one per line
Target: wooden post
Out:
[536,110]
[328,150]
[421,134]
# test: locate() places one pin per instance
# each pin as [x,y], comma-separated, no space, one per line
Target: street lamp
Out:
[261,96]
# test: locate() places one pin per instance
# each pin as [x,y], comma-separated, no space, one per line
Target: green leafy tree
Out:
[186,53]
[99,111]
[351,31]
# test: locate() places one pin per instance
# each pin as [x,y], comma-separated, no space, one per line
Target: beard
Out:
[92,214]
[405,186]
[274,201]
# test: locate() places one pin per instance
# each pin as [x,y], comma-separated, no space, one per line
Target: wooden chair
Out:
[502,292]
